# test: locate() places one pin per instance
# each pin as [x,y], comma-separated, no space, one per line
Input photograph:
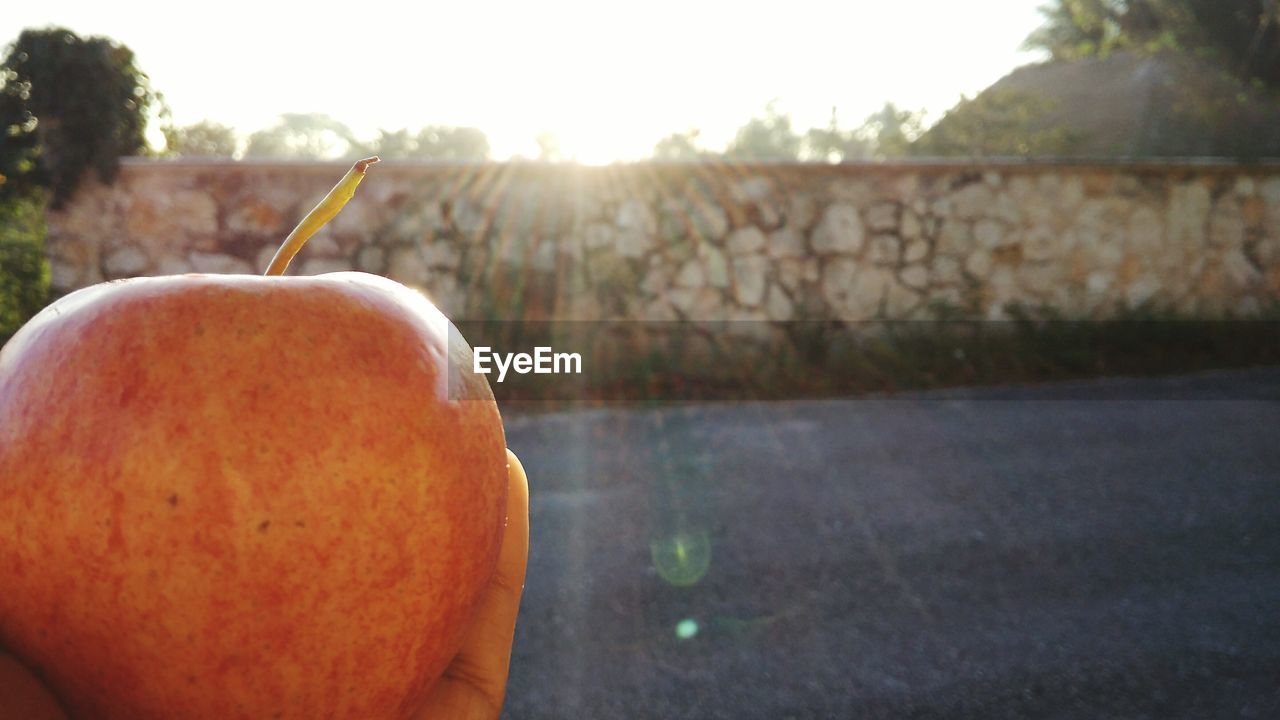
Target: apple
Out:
[244,497]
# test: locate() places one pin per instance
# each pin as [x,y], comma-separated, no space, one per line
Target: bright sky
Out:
[608,79]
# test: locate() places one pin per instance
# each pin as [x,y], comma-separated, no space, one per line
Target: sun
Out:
[588,139]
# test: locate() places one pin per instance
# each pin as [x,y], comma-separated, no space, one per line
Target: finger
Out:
[508,577]
[475,683]
[23,696]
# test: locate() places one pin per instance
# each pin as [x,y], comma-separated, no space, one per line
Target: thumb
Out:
[475,684]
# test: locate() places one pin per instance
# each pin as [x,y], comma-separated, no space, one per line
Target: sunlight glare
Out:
[609,80]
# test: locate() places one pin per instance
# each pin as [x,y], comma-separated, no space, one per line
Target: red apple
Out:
[244,497]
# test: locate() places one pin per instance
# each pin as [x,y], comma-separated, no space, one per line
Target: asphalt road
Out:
[1091,550]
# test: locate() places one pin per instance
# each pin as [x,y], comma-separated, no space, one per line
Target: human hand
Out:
[472,687]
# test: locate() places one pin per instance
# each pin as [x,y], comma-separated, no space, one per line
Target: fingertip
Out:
[516,542]
[515,470]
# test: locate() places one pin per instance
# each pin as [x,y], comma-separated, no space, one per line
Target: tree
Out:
[444,142]
[891,130]
[834,144]
[768,137]
[302,136]
[1242,35]
[397,145]
[202,139]
[549,147]
[24,270]
[434,142]
[888,132]
[1078,28]
[68,105]
[680,146]
[997,123]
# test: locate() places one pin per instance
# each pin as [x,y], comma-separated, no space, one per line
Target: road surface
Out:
[1104,549]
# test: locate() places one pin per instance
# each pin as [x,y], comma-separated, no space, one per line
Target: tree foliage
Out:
[835,144]
[202,139]
[24,271]
[434,142]
[304,136]
[886,133]
[766,137]
[891,130]
[997,123]
[444,142]
[301,136]
[68,105]
[549,147]
[680,147]
[1244,35]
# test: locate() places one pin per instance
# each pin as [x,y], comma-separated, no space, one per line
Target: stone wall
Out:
[713,242]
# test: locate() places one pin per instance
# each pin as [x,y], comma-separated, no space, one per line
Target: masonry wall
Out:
[713,242]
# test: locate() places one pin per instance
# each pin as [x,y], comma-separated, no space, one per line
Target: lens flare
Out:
[682,559]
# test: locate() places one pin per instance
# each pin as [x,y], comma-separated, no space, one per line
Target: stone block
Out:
[126,261]
[883,216]
[320,266]
[749,279]
[840,231]
[219,263]
[786,242]
[745,241]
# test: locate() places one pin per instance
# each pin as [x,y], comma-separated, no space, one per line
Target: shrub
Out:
[24,271]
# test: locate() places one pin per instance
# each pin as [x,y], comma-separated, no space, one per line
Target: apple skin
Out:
[244,497]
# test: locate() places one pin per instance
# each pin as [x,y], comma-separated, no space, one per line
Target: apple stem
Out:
[319,215]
